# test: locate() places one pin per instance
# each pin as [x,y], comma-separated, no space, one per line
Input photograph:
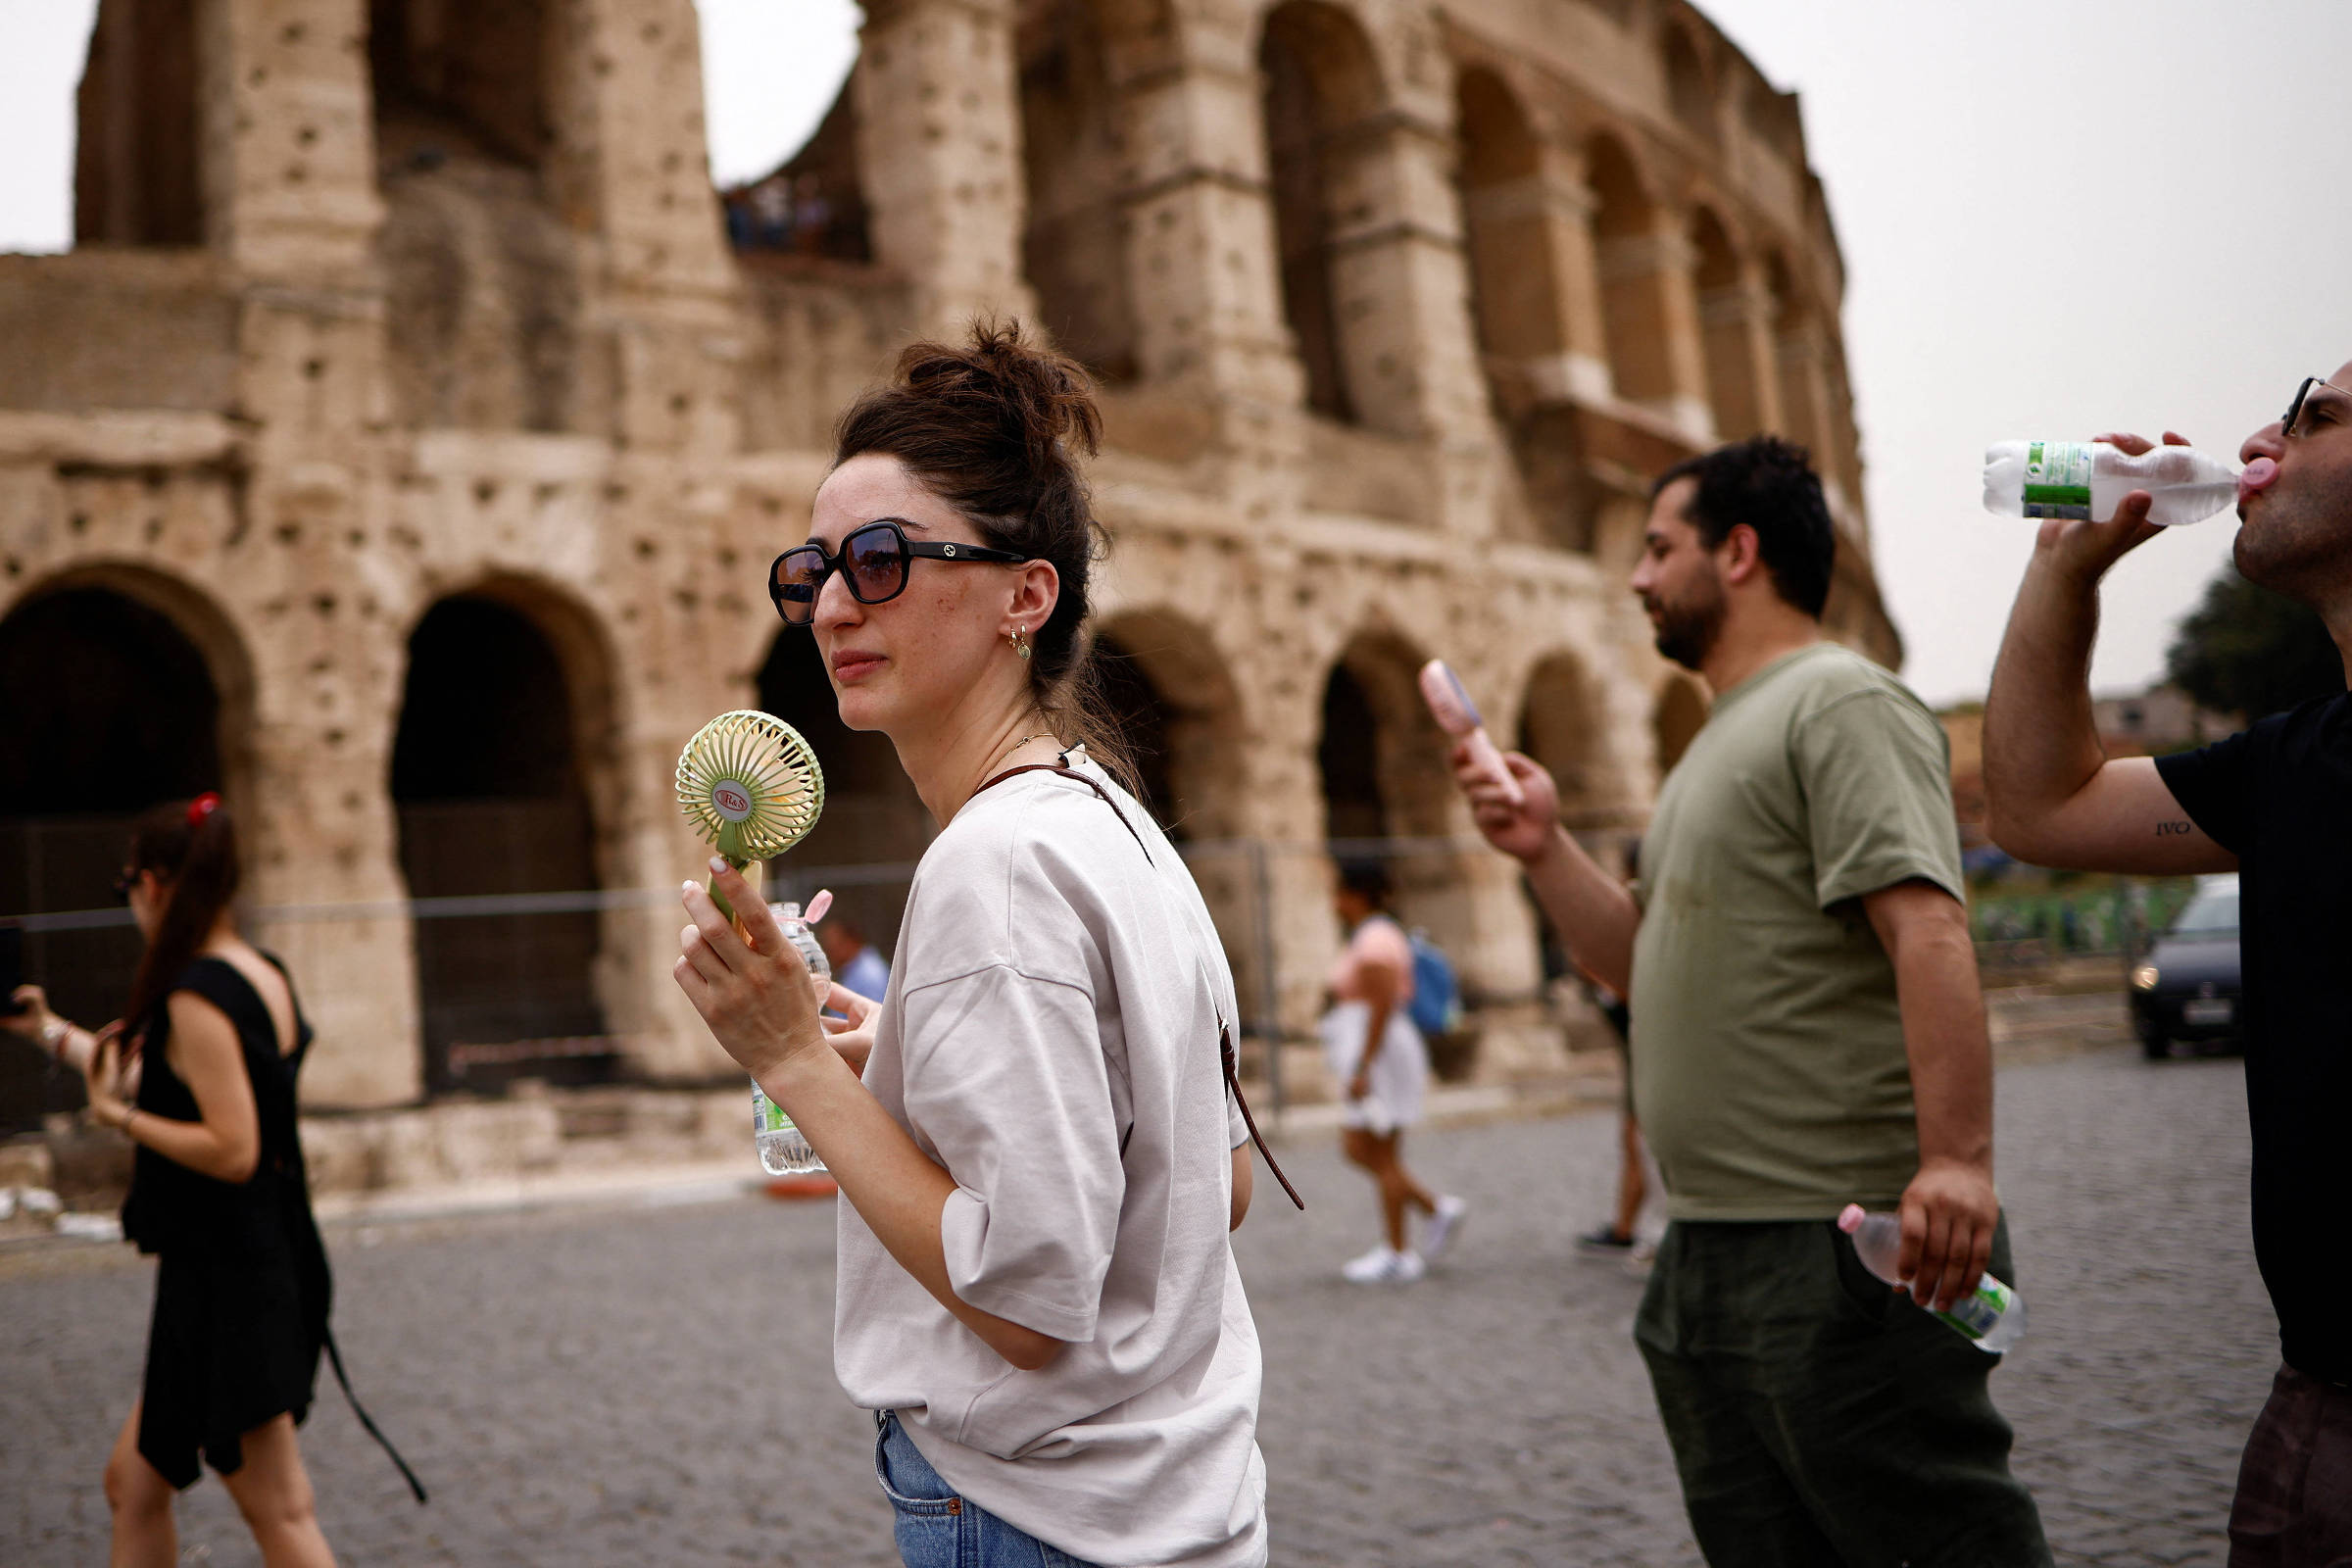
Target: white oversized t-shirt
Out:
[1050,1037]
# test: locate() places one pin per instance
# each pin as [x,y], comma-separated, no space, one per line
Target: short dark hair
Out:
[1367,880]
[1768,484]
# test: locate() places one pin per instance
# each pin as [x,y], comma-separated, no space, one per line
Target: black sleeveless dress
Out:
[241,1290]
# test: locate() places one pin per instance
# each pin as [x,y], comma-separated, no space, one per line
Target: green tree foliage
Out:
[2246,649]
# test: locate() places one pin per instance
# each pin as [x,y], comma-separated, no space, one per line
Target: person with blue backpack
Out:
[1387,991]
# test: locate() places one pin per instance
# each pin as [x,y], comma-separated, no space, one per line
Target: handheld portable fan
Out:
[1457,716]
[750,784]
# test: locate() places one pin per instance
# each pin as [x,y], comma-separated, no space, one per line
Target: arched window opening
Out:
[1349,760]
[1632,304]
[1513,276]
[1145,719]
[872,815]
[1321,83]
[1725,330]
[1075,157]
[1689,92]
[1681,708]
[488,784]
[136,179]
[1558,727]
[108,709]
[813,204]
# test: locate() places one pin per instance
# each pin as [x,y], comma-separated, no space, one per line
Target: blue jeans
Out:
[937,1529]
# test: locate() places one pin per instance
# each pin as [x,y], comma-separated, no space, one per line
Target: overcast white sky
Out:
[2058,215]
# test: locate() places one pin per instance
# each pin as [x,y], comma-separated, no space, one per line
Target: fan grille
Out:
[751,785]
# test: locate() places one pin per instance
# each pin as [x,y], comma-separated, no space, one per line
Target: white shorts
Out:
[1400,1073]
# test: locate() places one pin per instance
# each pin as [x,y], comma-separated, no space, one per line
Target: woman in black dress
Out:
[213,1039]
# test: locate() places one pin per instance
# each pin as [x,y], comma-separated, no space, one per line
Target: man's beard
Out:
[1688,627]
[2297,552]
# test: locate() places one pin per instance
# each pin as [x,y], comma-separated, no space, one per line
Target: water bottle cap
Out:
[1851,1220]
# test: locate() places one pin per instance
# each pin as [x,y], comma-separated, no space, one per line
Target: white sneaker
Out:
[1383,1265]
[1438,1232]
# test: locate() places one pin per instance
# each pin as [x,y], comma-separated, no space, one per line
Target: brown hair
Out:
[997,430]
[196,861]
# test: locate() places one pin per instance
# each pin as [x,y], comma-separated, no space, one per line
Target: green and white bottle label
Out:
[2058,479]
[1976,1314]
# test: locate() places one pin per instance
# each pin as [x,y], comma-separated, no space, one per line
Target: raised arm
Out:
[2052,795]
[1589,909]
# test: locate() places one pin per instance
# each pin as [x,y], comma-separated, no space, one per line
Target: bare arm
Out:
[1381,983]
[1949,1210]
[226,1141]
[762,1008]
[1245,1180]
[2053,797]
[1594,913]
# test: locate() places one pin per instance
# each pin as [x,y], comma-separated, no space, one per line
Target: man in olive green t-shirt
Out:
[1808,1032]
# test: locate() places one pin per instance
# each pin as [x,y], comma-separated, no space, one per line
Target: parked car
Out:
[2189,986]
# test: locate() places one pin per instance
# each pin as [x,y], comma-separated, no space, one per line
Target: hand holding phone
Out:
[1457,716]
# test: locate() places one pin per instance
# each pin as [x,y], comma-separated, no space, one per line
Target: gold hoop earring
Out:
[1019,638]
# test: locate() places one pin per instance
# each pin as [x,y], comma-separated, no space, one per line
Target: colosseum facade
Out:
[402,445]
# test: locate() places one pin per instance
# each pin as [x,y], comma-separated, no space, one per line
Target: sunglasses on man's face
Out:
[875,560]
[2331,401]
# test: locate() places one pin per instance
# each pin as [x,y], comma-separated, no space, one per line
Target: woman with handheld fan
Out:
[1038,1152]
[200,1078]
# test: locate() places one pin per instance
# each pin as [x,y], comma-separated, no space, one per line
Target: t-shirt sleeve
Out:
[2210,783]
[1878,796]
[1010,1086]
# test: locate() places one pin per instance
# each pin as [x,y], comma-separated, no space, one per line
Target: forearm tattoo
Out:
[2166,830]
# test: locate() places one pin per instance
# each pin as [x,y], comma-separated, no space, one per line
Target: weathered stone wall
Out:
[434,342]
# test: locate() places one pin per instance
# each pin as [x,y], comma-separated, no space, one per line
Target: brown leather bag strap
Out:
[1233,1082]
[1225,1051]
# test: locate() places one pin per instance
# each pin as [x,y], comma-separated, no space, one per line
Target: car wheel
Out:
[2152,1042]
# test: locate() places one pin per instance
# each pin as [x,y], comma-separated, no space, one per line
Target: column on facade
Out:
[1653,321]
[1743,362]
[1805,395]
[1398,273]
[1199,252]
[1544,220]
[939,149]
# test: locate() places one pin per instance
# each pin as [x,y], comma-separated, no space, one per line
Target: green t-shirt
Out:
[1768,1060]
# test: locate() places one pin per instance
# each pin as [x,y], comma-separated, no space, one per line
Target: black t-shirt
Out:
[2279,797]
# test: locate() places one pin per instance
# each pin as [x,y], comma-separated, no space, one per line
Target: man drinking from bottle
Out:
[1807,1033]
[2274,803]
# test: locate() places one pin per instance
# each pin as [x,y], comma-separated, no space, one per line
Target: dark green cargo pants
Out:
[1819,1420]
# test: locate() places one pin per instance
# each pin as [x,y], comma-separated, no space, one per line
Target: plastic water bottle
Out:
[1993,1317]
[2090,479]
[783,1149]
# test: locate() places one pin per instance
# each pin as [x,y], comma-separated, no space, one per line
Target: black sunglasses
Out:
[875,560]
[2294,410]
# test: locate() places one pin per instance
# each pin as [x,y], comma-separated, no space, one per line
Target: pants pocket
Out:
[1869,1296]
[907,1477]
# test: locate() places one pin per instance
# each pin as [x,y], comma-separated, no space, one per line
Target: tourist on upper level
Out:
[2269,804]
[1039,1153]
[1808,1033]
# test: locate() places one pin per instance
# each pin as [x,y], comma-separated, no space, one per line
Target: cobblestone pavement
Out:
[652,1386]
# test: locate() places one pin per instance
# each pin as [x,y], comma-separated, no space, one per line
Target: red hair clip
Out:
[202,807]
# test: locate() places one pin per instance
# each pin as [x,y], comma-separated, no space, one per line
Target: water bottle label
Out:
[1979,1314]
[768,1116]
[2058,479]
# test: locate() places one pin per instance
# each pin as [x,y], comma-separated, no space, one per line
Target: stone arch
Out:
[505,780]
[138,178]
[1513,273]
[1322,92]
[1562,719]
[1174,696]
[1676,715]
[120,687]
[482,275]
[1690,85]
[1726,337]
[1077,148]
[1625,233]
